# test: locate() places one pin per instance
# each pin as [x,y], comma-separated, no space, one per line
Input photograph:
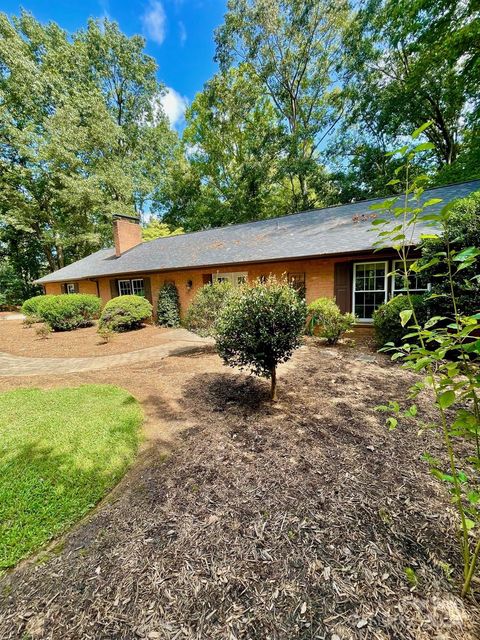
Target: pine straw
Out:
[293,521]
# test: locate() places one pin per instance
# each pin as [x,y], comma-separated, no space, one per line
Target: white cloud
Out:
[154,21]
[174,106]
[182,33]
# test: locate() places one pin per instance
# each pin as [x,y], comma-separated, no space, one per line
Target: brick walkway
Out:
[178,341]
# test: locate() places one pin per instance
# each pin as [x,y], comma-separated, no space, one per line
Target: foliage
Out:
[156,229]
[43,330]
[445,350]
[327,321]
[68,311]
[293,49]
[386,319]
[260,326]
[31,307]
[83,135]
[125,313]
[62,450]
[410,62]
[463,231]
[106,334]
[168,306]
[206,308]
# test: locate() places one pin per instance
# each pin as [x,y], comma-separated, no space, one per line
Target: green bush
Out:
[327,321]
[125,313]
[206,307]
[386,319]
[68,311]
[31,306]
[260,326]
[168,306]
[462,231]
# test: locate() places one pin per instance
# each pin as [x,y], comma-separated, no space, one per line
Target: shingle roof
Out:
[320,232]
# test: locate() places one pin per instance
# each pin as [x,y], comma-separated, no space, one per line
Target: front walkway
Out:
[177,341]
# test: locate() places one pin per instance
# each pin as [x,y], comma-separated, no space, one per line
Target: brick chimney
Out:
[126,233]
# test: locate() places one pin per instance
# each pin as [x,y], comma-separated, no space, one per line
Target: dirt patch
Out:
[296,520]
[20,340]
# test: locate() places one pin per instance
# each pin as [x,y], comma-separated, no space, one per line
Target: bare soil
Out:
[246,520]
[22,340]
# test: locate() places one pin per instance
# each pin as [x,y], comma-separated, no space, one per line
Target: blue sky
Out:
[179,35]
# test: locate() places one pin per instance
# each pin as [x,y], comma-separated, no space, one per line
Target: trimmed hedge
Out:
[386,319]
[206,307]
[68,311]
[31,306]
[125,312]
[327,321]
[168,306]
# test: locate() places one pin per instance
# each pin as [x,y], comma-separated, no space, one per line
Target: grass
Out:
[61,450]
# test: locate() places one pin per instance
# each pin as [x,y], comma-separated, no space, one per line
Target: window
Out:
[129,287]
[369,288]
[297,282]
[416,281]
[234,278]
[70,287]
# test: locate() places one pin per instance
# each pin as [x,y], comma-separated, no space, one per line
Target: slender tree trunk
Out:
[273,385]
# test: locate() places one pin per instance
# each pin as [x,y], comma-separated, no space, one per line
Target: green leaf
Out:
[425,146]
[405,316]
[421,129]
[392,423]
[446,399]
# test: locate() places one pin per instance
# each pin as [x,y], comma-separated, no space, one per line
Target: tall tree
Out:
[293,47]
[410,62]
[81,133]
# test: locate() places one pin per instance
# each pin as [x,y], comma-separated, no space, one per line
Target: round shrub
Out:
[69,311]
[206,307]
[386,319]
[31,306]
[125,313]
[327,321]
[260,326]
[168,306]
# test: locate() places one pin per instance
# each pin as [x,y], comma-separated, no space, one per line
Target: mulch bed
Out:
[21,340]
[295,520]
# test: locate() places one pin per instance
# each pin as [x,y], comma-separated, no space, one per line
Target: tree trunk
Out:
[273,385]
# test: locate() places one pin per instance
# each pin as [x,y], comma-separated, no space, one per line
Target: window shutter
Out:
[113,288]
[147,287]
[207,278]
[342,286]
[64,287]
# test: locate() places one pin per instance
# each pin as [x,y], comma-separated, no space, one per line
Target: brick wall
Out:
[319,277]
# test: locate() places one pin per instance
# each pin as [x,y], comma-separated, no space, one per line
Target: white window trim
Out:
[67,287]
[231,276]
[120,282]
[400,291]
[385,290]
[142,280]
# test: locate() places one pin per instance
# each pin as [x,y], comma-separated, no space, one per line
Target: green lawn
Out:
[60,452]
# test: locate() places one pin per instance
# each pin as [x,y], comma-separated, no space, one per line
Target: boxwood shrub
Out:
[31,306]
[386,319]
[68,311]
[206,307]
[327,321]
[125,312]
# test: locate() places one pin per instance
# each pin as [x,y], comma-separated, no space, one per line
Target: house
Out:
[324,252]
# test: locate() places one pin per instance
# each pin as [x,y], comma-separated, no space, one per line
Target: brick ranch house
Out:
[324,253]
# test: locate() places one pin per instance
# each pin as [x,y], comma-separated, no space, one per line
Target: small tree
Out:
[445,348]
[260,326]
[168,307]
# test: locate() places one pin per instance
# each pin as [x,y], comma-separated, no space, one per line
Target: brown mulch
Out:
[21,340]
[289,521]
